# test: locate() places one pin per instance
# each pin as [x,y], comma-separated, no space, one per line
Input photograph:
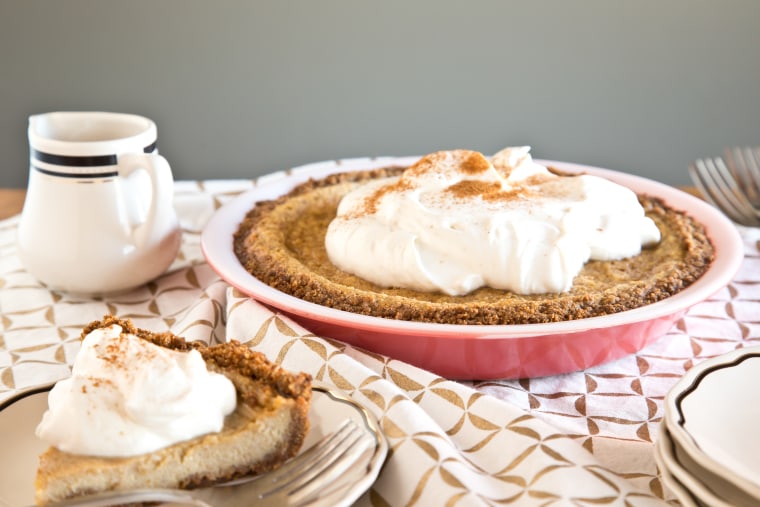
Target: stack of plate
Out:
[708,449]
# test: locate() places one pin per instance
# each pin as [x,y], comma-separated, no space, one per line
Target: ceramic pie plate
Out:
[470,351]
[20,415]
[712,414]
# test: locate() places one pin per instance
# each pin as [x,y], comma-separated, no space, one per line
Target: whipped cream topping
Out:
[127,396]
[456,221]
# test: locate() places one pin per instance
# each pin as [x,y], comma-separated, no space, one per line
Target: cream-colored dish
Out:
[712,415]
[685,486]
[675,486]
[18,461]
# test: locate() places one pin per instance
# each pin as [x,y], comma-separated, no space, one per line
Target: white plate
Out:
[692,488]
[713,414]
[20,447]
[680,491]
[495,351]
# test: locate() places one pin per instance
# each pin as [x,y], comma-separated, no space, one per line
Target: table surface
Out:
[11,201]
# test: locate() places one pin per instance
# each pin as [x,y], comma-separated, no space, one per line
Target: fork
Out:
[721,186]
[294,483]
[744,164]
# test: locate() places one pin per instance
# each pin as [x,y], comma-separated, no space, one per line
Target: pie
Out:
[268,426]
[281,242]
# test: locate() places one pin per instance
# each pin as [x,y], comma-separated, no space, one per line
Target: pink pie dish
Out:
[488,351]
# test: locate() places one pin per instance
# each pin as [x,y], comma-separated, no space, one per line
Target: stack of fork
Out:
[731,183]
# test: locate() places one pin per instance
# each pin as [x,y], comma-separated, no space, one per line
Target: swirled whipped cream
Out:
[456,221]
[127,396]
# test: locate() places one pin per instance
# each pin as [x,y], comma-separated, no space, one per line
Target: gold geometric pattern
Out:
[583,438]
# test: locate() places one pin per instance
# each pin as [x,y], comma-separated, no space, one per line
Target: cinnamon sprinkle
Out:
[488,191]
[114,352]
[371,203]
[474,163]
[467,162]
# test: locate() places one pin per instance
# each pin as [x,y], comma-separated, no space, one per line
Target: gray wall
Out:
[241,88]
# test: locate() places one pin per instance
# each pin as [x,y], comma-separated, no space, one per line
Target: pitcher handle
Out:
[160,217]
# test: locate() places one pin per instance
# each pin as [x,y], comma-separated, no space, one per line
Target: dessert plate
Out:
[684,495]
[713,414]
[489,351]
[20,415]
[672,470]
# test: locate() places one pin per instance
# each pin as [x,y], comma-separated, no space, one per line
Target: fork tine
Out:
[703,173]
[747,160]
[340,454]
[710,187]
[307,458]
[696,171]
[752,159]
[329,470]
[744,167]
[738,193]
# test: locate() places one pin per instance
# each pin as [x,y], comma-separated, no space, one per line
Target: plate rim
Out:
[216,247]
[678,488]
[693,487]
[675,418]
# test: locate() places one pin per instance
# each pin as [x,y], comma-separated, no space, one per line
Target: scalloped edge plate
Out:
[712,417]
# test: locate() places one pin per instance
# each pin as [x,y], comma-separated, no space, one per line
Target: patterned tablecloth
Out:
[576,439]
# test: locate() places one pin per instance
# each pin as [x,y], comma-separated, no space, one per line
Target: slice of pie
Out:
[282,243]
[267,427]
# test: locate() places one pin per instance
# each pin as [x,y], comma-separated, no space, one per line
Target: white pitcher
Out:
[98,215]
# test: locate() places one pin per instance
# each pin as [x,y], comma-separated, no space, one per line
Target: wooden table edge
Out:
[11,201]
